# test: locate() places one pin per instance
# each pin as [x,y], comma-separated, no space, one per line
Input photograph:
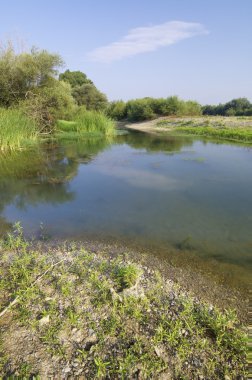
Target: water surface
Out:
[180,192]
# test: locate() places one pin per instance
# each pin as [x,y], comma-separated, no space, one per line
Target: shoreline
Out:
[76,306]
[223,128]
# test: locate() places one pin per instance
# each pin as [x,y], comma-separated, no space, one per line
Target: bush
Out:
[21,73]
[47,104]
[139,110]
[117,110]
[90,97]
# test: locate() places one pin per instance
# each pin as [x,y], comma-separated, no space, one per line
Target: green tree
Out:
[90,97]
[117,110]
[139,109]
[48,103]
[22,73]
[75,78]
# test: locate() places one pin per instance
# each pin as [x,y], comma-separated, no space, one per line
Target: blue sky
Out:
[196,49]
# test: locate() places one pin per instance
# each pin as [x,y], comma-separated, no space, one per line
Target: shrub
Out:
[47,104]
[139,110]
[117,110]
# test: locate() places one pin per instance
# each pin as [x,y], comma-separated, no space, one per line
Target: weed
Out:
[126,276]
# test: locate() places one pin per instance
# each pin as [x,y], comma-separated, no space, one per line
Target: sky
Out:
[195,49]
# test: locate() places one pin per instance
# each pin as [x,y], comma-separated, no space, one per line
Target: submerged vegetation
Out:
[100,316]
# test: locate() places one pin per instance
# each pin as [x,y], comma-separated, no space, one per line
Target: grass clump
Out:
[126,275]
[88,122]
[92,315]
[16,129]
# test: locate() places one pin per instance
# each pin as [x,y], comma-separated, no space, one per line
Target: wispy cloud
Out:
[146,39]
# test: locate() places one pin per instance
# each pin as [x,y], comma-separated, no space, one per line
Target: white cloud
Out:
[146,39]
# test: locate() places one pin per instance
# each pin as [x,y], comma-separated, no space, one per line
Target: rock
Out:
[45,320]
[91,341]
[115,296]
[161,353]
[67,369]
[91,332]
[77,335]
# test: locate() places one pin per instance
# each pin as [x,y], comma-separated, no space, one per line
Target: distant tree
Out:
[84,91]
[75,78]
[90,97]
[139,109]
[236,107]
[117,110]
[239,106]
[191,108]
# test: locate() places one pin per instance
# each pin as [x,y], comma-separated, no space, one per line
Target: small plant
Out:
[126,276]
[15,239]
[101,367]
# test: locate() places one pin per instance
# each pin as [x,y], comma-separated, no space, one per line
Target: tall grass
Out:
[16,129]
[88,122]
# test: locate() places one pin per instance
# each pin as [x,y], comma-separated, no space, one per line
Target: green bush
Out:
[47,104]
[139,110]
[117,110]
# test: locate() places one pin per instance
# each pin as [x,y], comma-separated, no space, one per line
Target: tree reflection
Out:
[42,175]
[155,142]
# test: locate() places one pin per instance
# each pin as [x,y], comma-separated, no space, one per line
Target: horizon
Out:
[198,52]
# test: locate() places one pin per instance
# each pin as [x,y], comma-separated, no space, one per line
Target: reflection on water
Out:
[164,191]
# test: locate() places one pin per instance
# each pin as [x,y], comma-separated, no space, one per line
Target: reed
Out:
[16,129]
[88,122]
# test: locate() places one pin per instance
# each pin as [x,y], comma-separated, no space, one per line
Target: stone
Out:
[45,320]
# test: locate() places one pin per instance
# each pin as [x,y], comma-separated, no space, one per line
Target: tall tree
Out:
[75,78]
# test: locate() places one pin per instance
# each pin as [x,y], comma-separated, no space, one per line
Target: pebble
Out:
[67,369]
[43,321]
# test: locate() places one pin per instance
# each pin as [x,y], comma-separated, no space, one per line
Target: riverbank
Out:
[93,311]
[229,128]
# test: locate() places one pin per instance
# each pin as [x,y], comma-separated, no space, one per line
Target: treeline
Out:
[30,83]
[236,107]
[150,108]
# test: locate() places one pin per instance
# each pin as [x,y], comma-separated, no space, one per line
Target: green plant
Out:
[126,276]
[87,122]
[101,367]
[16,130]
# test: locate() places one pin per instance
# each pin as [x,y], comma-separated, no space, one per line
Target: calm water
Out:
[167,191]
